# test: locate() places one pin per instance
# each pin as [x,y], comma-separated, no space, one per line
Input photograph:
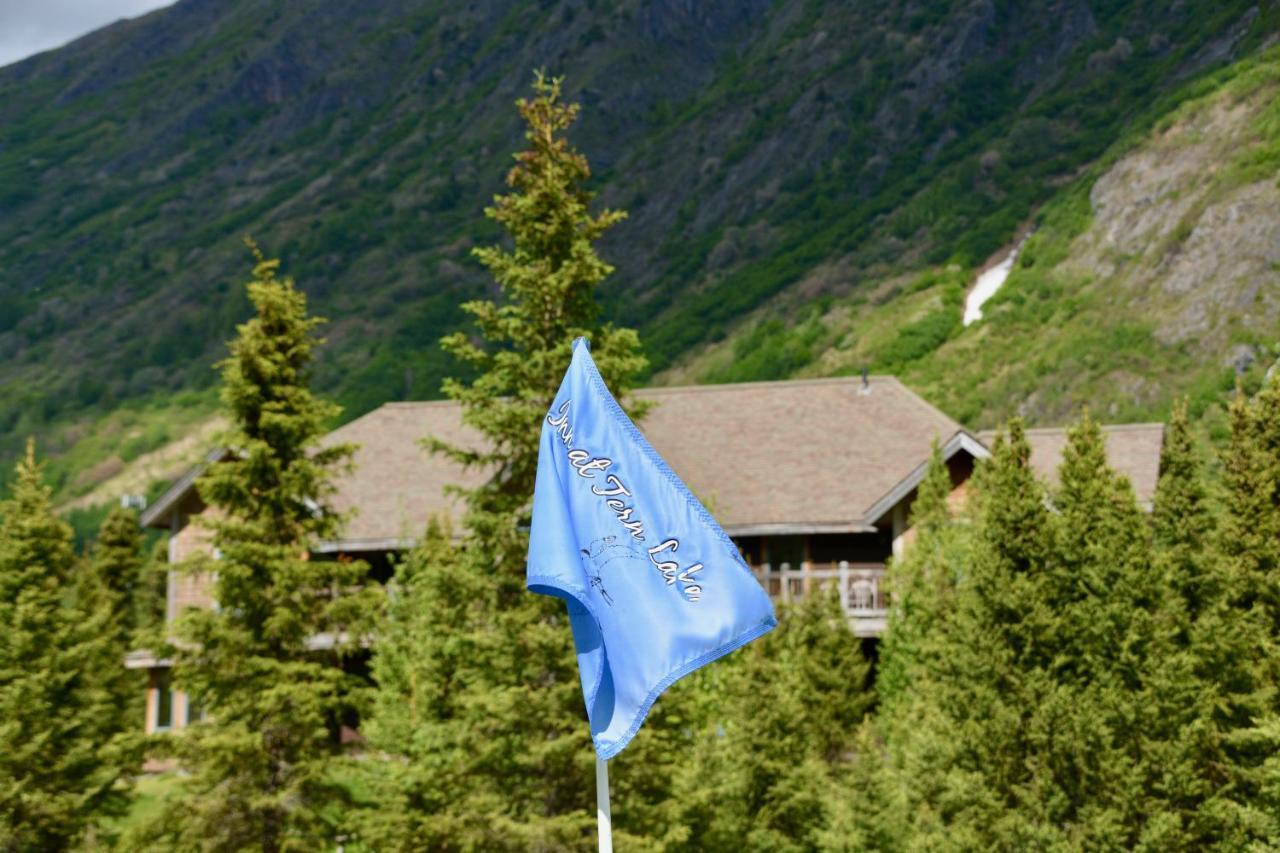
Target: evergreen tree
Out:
[1240,637]
[921,585]
[548,276]
[914,654]
[151,597]
[997,678]
[1064,708]
[1181,522]
[271,663]
[115,569]
[1209,670]
[435,619]
[1250,538]
[113,575]
[62,764]
[110,583]
[481,693]
[1117,656]
[958,736]
[779,762]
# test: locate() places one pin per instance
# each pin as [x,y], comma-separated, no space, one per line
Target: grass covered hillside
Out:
[790,155]
[1157,273]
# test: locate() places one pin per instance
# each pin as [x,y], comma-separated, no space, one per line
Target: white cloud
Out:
[30,26]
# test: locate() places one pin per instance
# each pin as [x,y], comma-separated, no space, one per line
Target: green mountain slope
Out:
[1155,274]
[770,154]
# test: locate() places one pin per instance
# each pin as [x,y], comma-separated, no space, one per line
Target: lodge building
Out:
[814,480]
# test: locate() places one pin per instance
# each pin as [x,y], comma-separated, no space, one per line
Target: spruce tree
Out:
[778,761]
[481,695]
[1240,640]
[1067,711]
[116,566]
[1250,536]
[272,663]
[110,582]
[548,275]
[958,738]
[921,585]
[63,762]
[914,655]
[434,619]
[1119,658]
[1181,522]
[1003,626]
[151,595]
[113,576]
[1209,668]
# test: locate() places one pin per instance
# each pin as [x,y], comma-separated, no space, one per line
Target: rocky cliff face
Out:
[1186,233]
[1155,274]
[1177,266]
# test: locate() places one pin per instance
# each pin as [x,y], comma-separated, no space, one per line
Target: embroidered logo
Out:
[604,552]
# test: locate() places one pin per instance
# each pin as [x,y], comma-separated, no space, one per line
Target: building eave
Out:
[798,528]
[323,641]
[400,543]
[362,546]
[960,440]
[145,659]
[157,514]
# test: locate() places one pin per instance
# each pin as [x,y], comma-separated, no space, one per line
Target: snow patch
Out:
[987,285]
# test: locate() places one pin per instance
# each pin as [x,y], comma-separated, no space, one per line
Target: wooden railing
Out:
[860,586]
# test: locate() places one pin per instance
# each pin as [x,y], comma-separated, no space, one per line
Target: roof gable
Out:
[157,514]
[962,441]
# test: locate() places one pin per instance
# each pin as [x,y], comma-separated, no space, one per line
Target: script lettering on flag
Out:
[654,587]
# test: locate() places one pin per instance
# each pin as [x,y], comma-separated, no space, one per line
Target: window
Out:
[752,549]
[786,549]
[164,703]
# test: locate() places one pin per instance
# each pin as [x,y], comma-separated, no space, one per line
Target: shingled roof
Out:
[798,456]
[1132,450]
[795,456]
[396,485]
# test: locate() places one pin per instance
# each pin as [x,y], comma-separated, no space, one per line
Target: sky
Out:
[30,26]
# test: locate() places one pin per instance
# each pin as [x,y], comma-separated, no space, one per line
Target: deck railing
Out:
[860,586]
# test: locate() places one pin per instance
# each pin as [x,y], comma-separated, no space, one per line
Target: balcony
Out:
[860,586]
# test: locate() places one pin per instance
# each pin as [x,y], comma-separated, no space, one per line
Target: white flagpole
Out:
[603,815]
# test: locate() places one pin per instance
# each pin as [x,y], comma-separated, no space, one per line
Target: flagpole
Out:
[603,815]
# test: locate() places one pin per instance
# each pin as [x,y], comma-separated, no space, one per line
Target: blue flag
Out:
[655,588]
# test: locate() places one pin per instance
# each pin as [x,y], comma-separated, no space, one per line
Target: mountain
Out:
[807,161]
[1154,274]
